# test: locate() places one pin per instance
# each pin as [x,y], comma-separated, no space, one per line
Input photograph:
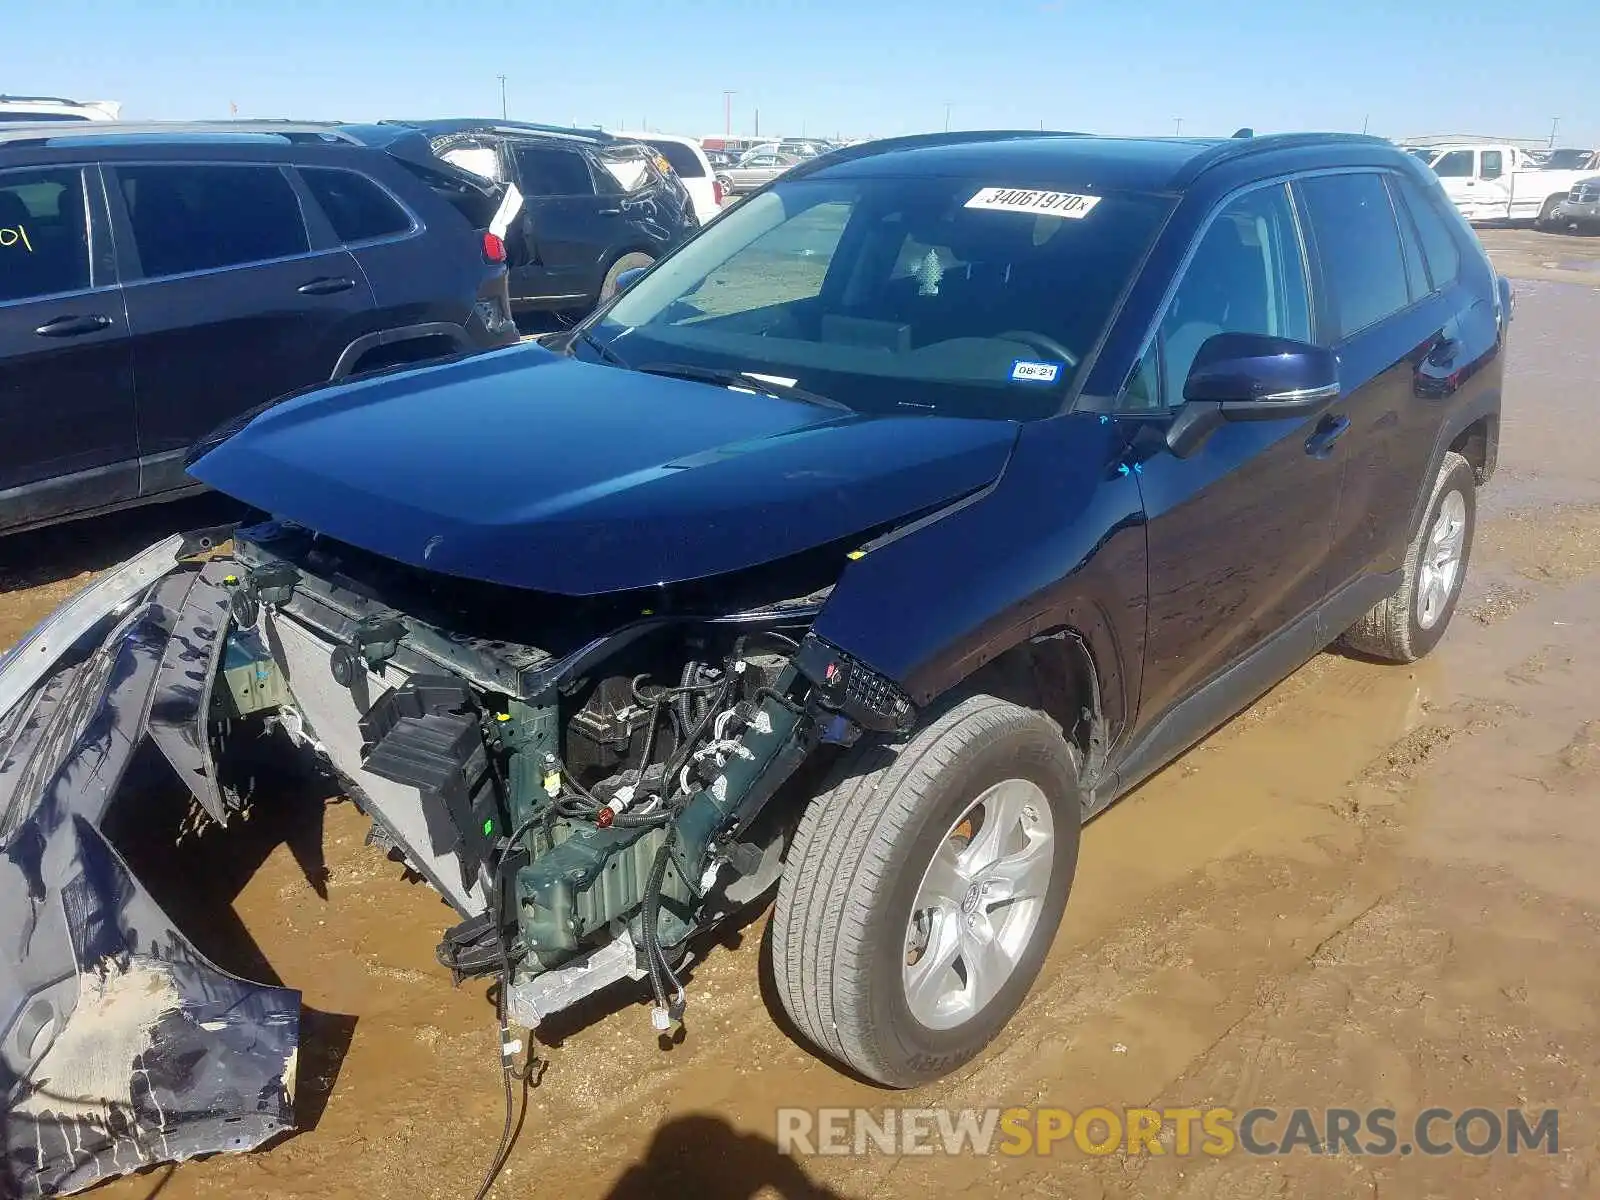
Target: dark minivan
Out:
[593,205]
[159,280]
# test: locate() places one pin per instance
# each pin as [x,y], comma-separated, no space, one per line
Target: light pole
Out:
[1554,122]
[1178,128]
[502,97]
[727,113]
[947,118]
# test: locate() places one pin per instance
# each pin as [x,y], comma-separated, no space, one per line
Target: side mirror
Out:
[1251,377]
[628,278]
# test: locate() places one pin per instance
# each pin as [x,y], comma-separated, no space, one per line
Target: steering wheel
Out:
[1041,341]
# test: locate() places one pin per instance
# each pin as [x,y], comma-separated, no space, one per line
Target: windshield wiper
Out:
[739,379]
[600,348]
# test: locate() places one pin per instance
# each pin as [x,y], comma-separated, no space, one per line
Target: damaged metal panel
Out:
[180,710]
[120,1045]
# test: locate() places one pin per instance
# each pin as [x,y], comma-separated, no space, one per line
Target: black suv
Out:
[921,506]
[593,205]
[158,280]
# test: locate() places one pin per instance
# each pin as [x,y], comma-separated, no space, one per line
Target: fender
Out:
[353,353]
[1057,542]
[1483,402]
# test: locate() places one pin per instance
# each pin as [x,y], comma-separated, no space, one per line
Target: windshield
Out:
[1566,160]
[950,296]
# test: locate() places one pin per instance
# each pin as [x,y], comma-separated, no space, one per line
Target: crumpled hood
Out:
[525,468]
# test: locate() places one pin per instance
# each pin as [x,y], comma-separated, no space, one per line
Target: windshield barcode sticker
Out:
[1023,371]
[1052,204]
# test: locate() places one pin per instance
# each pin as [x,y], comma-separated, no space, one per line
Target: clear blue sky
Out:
[827,66]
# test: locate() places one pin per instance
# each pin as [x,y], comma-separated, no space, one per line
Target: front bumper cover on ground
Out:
[120,1044]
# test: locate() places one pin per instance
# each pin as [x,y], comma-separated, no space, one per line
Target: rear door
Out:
[67,436]
[564,229]
[1458,175]
[1385,321]
[230,304]
[1493,185]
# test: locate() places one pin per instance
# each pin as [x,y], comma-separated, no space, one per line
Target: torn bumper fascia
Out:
[120,1044]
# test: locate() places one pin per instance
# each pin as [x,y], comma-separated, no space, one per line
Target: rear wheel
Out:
[608,288]
[924,887]
[1410,623]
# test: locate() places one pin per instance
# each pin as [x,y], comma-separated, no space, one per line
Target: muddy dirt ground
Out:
[1377,886]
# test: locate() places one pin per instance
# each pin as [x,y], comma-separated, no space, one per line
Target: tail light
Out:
[494,248]
[716,191]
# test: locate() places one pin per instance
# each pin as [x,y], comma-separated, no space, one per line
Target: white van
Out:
[689,163]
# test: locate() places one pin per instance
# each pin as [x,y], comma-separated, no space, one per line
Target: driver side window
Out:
[1247,275]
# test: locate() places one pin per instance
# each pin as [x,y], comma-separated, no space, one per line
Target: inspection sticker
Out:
[1053,204]
[1024,371]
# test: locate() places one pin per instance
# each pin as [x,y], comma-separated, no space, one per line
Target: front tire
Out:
[1410,623]
[924,887]
[1547,215]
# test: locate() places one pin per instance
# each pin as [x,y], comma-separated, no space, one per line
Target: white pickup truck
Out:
[1502,183]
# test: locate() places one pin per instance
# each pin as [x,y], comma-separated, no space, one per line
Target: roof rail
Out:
[917,141]
[1242,147]
[40,100]
[303,131]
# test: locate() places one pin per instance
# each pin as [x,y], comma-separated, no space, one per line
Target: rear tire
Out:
[608,287]
[1410,623]
[981,803]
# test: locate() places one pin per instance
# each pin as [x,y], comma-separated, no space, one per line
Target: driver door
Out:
[1239,531]
[1458,175]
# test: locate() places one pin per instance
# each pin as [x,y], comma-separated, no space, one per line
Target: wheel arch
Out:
[431,333]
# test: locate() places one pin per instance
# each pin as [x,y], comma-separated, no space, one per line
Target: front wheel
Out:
[1547,215]
[1410,623]
[924,887]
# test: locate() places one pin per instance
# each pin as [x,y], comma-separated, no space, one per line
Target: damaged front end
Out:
[585,780]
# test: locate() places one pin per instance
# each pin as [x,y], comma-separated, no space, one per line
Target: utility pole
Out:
[1364,121]
[947,118]
[1178,129]
[727,113]
[758,122]
[503,97]
[1554,122]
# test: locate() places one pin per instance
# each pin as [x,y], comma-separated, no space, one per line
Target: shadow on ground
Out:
[703,1156]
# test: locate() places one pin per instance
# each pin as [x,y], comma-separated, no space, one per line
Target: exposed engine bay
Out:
[586,781]
[586,803]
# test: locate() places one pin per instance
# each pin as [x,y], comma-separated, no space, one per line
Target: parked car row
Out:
[1507,183]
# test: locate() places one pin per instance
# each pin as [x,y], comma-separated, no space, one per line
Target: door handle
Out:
[73,326]
[1328,431]
[610,212]
[326,287]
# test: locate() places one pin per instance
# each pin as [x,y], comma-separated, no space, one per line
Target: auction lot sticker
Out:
[1053,204]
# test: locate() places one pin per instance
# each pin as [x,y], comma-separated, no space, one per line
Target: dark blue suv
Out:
[157,280]
[860,550]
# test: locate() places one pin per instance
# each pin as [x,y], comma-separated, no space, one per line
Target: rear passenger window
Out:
[357,208]
[44,241]
[1492,165]
[546,171]
[1358,245]
[199,218]
[1247,276]
[1416,271]
[684,160]
[1438,243]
